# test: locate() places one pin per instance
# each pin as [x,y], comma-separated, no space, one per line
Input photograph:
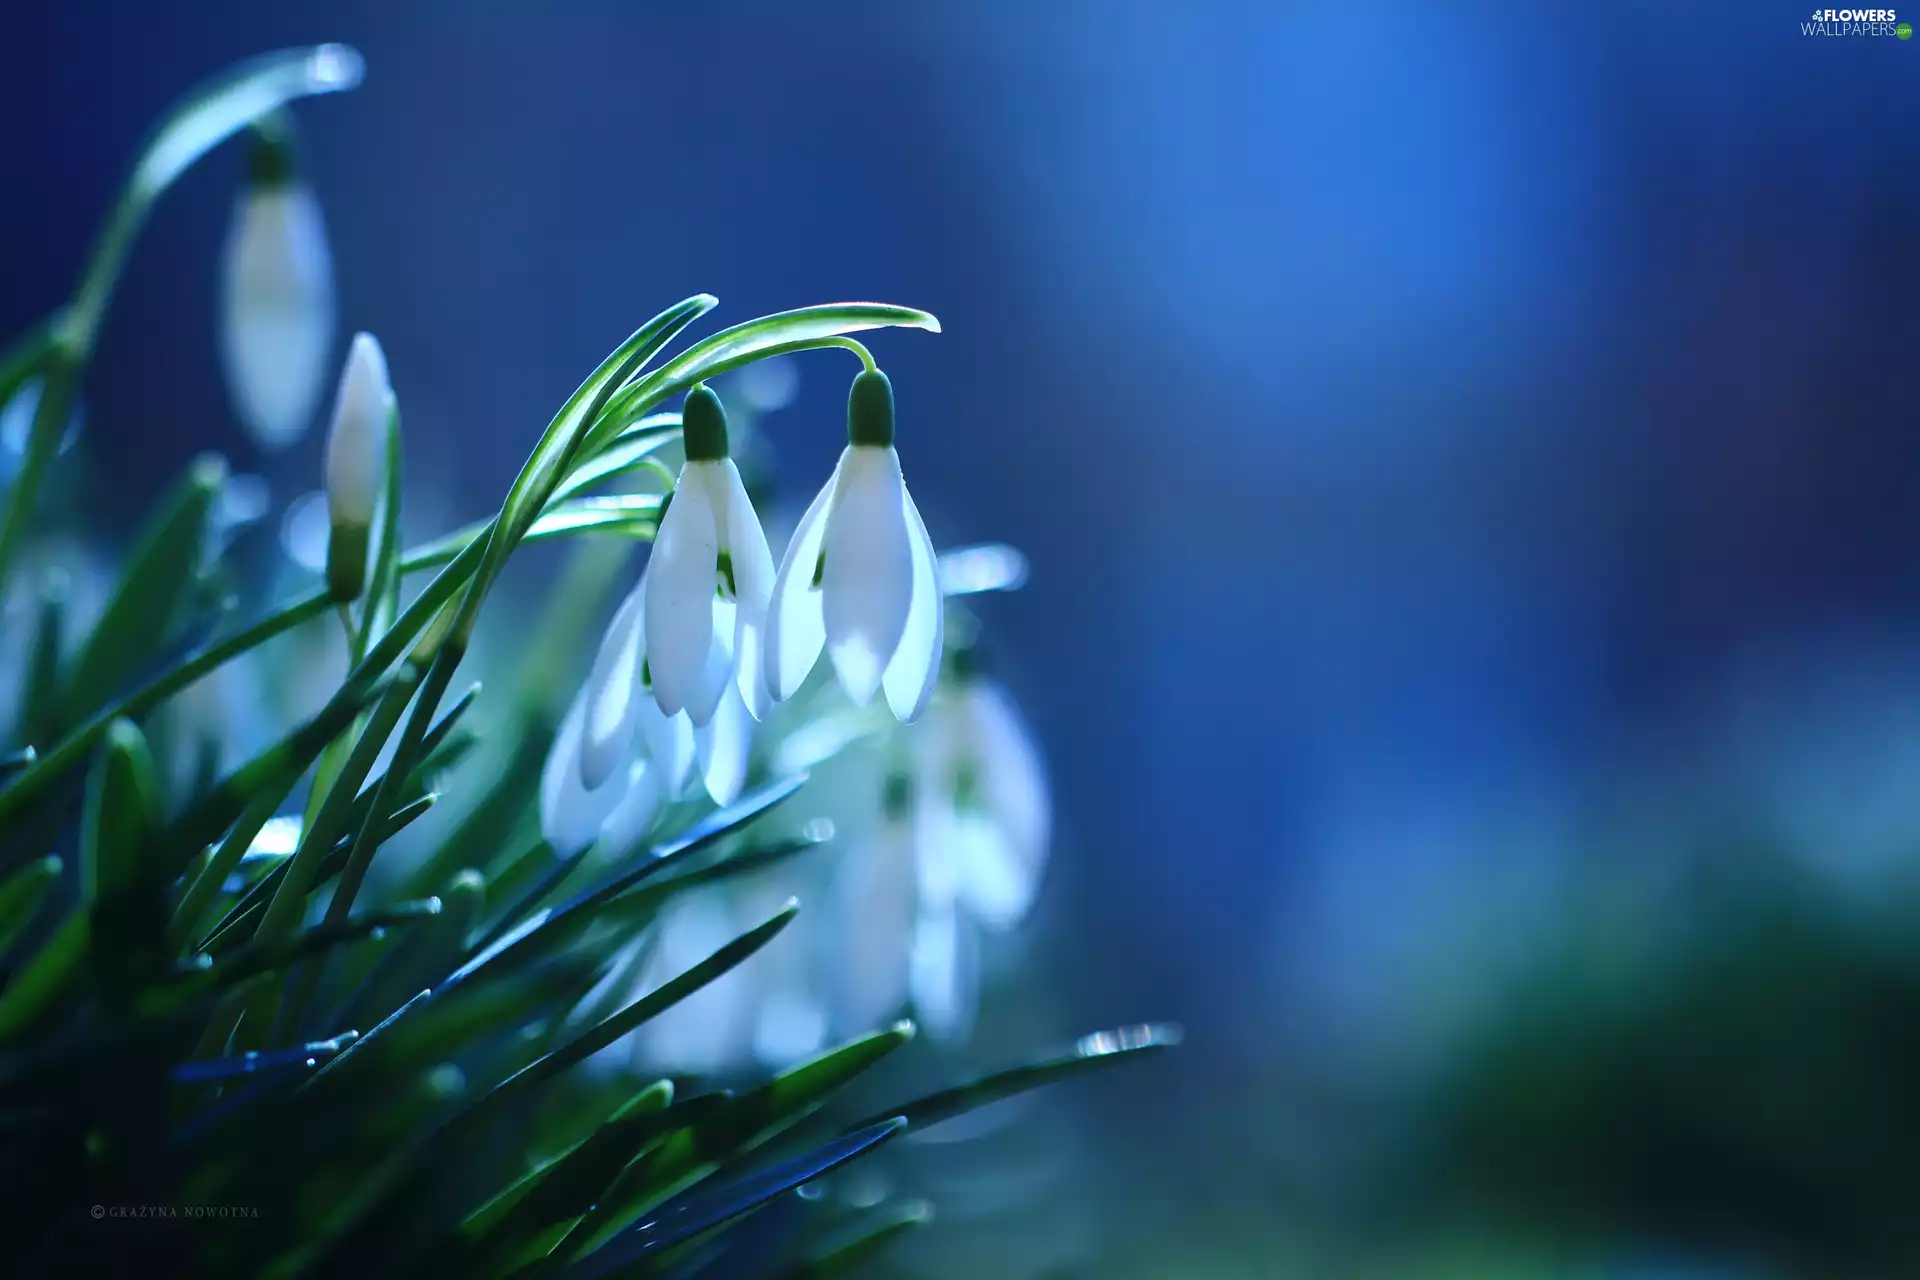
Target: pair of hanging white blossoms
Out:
[714,635]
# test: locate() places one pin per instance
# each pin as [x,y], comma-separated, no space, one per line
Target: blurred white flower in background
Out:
[276,294]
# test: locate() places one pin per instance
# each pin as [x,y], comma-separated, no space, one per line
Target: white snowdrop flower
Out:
[711,574]
[877,899]
[621,707]
[983,796]
[356,463]
[721,747]
[859,576]
[276,298]
[942,981]
[574,815]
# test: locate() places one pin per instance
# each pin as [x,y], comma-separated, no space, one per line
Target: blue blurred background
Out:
[1466,454]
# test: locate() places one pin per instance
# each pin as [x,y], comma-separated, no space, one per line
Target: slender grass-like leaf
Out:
[21,895]
[651,1005]
[40,678]
[1096,1052]
[274,769]
[848,1257]
[566,1187]
[629,515]
[632,450]
[32,782]
[134,624]
[236,924]
[267,954]
[272,1062]
[45,978]
[383,590]
[743,1123]
[29,352]
[119,886]
[290,897]
[548,930]
[544,470]
[777,334]
[701,1211]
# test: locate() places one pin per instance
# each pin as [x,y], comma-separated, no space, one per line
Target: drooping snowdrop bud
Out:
[984,795]
[859,575]
[356,461]
[711,574]
[276,297]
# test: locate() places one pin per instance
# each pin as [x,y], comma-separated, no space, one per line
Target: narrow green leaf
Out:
[275,769]
[1095,1052]
[632,450]
[707,1208]
[551,458]
[52,764]
[135,624]
[27,355]
[289,901]
[383,593]
[44,979]
[738,1126]
[266,955]
[848,1257]
[40,679]
[743,344]
[629,515]
[21,895]
[651,1005]
[119,815]
[566,1187]
[236,925]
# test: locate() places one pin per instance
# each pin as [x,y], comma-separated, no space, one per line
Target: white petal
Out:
[942,981]
[722,746]
[716,674]
[613,691]
[669,742]
[633,817]
[681,592]
[990,879]
[795,631]
[866,586]
[277,312]
[570,813]
[875,908]
[1013,785]
[915,668]
[746,544]
[357,438]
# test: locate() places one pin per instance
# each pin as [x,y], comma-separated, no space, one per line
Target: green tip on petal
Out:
[870,410]
[271,163]
[703,425]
